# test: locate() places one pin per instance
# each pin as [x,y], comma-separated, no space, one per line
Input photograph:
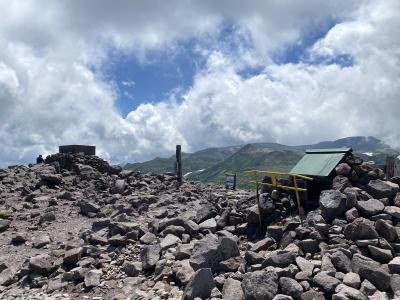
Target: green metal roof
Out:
[320,162]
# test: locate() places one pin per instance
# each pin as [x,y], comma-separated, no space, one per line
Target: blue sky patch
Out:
[138,82]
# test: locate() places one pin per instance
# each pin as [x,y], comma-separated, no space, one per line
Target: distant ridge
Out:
[210,165]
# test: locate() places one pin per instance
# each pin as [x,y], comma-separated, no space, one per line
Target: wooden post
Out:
[178,169]
[390,166]
[258,204]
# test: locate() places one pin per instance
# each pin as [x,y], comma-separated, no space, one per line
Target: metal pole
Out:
[178,164]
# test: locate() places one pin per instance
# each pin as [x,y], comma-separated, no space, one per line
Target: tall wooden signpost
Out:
[178,165]
[390,166]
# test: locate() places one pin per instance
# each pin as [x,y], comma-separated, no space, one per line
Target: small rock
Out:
[92,278]
[72,256]
[264,244]
[6,277]
[343,169]
[209,224]
[231,264]
[41,240]
[352,279]
[169,241]
[132,269]
[88,207]
[4,224]
[148,238]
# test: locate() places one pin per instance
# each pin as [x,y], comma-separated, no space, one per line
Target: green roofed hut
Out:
[319,164]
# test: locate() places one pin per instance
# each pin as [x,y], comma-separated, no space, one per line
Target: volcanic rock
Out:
[200,285]
[290,287]
[332,203]
[260,285]
[360,229]
[150,255]
[370,207]
[92,278]
[232,290]
[382,189]
[209,251]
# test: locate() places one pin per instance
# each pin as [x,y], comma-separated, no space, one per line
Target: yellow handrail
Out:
[275,184]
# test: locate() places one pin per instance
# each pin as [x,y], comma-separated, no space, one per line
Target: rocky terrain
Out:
[78,228]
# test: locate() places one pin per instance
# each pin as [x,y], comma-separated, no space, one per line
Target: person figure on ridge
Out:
[40,159]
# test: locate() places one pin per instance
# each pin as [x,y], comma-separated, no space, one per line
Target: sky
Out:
[135,78]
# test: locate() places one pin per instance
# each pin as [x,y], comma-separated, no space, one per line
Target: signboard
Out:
[230,181]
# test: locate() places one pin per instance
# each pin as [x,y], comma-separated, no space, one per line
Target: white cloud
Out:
[52,90]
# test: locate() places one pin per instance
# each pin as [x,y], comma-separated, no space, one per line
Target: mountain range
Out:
[211,164]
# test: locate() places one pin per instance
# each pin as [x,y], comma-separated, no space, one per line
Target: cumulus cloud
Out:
[53,89]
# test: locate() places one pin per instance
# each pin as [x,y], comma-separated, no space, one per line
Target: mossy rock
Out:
[5,214]
[107,211]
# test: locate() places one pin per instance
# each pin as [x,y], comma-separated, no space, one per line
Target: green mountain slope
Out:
[249,157]
[210,165]
[191,162]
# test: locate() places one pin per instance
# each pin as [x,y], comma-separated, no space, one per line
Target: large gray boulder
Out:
[371,270]
[370,207]
[290,287]
[386,230]
[206,212]
[150,255]
[382,189]
[327,282]
[169,240]
[210,251]
[340,183]
[360,229]
[394,265]
[72,256]
[341,262]
[88,207]
[260,285]
[92,278]
[394,211]
[349,293]
[232,290]
[4,224]
[332,203]
[41,264]
[280,259]
[343,169]
[183,271]
[200,285]
[6,277]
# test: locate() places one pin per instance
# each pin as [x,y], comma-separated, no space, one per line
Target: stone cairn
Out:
[77,227]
